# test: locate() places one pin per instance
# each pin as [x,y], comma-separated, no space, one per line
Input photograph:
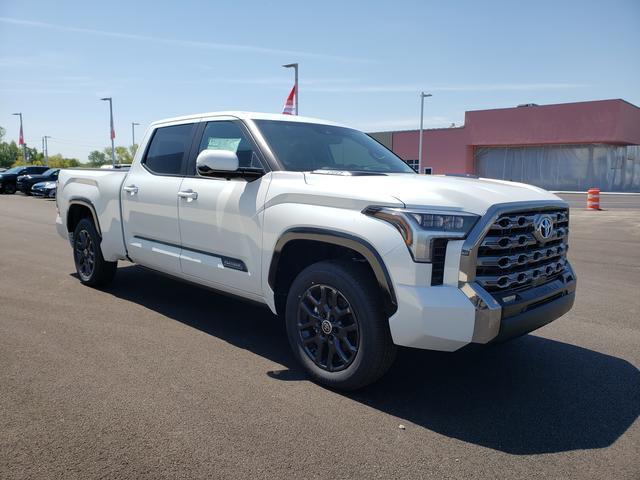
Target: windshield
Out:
[50,172]
[303,147]
[14,170]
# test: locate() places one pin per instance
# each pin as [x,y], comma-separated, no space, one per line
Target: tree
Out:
[9,153]
[58,161]
[32,154]
[97,159]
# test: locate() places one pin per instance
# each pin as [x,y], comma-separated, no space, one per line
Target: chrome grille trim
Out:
[523,258]
[469,259]
[520,240]
[512,256]
[534,276]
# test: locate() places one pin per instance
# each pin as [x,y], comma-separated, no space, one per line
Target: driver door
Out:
[221,220]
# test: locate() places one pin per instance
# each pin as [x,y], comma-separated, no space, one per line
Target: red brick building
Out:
[570,146]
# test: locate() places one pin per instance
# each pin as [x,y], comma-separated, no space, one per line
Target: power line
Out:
[73,142]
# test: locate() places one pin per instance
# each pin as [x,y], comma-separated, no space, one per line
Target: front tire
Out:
[9,189]
[336,325]
[93,270]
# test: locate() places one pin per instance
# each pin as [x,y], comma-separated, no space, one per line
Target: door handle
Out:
[188,194]
[131,189]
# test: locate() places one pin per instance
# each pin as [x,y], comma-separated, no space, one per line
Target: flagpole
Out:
[295,69]
[112,133]
[24,144]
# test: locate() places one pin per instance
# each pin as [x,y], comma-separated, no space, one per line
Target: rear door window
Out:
[168,148]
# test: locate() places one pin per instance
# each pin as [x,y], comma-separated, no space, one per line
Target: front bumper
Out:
[499,319]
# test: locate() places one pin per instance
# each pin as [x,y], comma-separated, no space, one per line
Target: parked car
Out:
[8,178]
[25,182]
[332,231]
[44,189]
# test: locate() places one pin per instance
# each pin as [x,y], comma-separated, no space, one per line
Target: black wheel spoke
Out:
[313,315]
[348,344]
[85,253]
[339,351]
[328,328]
[330,354]
[319,349]
[310,340]
[312,299]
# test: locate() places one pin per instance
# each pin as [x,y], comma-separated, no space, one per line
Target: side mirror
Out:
[216,163]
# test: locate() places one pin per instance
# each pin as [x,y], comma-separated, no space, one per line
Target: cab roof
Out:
[247,116]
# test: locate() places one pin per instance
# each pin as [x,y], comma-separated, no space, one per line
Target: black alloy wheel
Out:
[93,270]
[328,328]
[337,326]
[85,253]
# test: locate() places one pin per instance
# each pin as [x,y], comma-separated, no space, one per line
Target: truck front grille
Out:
[514,255]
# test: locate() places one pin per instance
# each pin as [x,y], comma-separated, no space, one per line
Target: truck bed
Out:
[99,189]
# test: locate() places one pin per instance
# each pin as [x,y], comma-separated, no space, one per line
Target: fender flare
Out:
[352,242]
[85,203]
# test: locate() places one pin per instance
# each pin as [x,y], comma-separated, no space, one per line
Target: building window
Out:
[428,170]
[413,164]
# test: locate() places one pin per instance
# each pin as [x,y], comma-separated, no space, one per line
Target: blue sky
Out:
[361,62]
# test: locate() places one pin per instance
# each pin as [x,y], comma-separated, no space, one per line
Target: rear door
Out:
[150,199]
[220,219]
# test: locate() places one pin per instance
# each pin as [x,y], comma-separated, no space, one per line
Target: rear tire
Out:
[93,270]
[336,325]
[10,189]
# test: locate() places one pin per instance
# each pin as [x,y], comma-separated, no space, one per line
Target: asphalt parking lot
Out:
[152,378]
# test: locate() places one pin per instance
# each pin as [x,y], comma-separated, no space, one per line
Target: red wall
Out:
[450,150]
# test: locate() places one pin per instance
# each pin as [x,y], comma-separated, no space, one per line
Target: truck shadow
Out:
[529,396]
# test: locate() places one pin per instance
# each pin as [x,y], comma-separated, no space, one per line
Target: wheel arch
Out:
[311,235]
[80,208]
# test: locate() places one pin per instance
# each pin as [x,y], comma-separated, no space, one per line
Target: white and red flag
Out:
[289,105]
[113,132]
[21,138]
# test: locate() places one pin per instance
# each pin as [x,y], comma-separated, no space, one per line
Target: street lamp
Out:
[45,149]
[295,68]
[113,132]
[133,133]
[21,139]
[422,97]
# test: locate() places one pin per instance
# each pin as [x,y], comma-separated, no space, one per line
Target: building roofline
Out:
[555,105]
[417,130]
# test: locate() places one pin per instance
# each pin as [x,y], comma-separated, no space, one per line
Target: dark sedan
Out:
[25,182]
[9,177]
[44,189]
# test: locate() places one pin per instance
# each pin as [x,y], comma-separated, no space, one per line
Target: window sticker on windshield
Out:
[230,144]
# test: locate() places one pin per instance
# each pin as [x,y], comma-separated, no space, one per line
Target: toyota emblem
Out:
[544,228]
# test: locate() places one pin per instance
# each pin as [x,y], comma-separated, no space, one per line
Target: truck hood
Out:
[474,195]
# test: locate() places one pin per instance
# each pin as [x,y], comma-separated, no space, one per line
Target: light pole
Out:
[21,139]
[295,69]
[422,97]
[133,133]
[45,148]
[113,132]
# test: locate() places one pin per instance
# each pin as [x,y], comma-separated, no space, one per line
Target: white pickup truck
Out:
[330,230]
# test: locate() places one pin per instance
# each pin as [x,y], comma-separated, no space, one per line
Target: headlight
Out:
[419,227]
[49,185]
